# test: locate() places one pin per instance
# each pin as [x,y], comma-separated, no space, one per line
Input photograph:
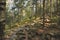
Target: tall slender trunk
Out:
[35,8]
[43,13]
[40,8]
[51,10]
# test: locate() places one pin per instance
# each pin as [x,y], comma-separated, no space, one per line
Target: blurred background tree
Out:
[2,18]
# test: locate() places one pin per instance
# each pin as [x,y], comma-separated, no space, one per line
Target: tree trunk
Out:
[2,18]
[43,12]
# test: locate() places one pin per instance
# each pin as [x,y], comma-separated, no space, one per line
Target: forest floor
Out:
[47,30]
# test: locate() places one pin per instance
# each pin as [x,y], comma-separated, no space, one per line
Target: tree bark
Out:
[2,18]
